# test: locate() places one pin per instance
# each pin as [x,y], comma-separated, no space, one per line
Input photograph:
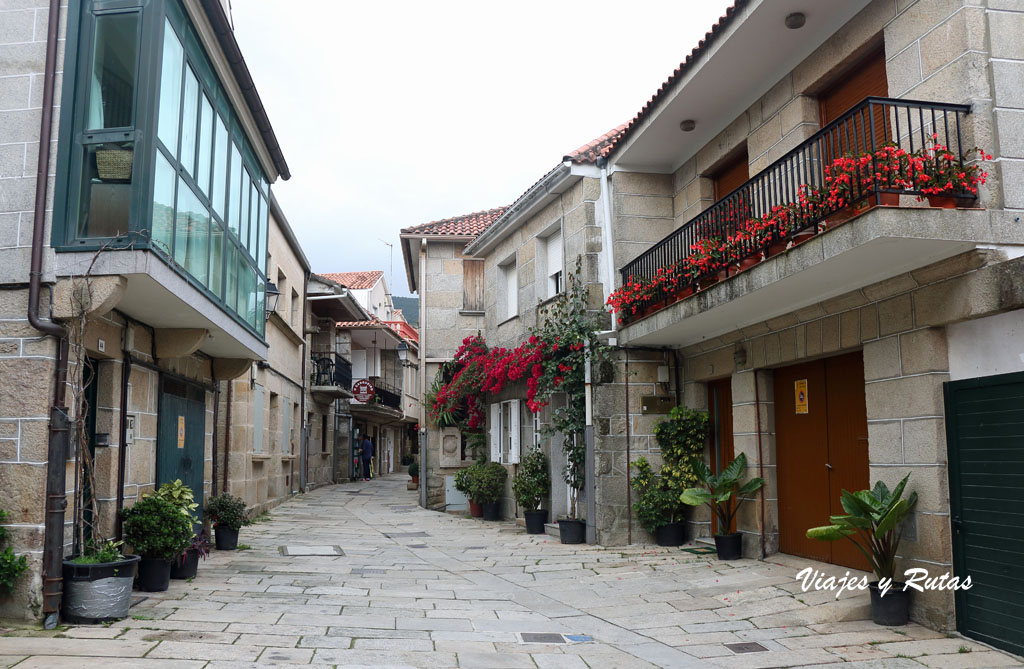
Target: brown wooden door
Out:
[820,453]
[864,78]
[731,176]
[720,419]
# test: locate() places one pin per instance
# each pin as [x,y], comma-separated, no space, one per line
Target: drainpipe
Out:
[629,490]
[303,440]
[606,232]
[589,462]
[216,416]
[122,450]
[227,434]
[59,429]
[423,377]
[760,459]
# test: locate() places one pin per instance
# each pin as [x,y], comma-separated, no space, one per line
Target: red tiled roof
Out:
[356,280]
[598,148]
[467,225]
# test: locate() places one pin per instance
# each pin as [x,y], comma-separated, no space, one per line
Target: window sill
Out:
[287,456]
[471,312]
[259,457]
[508,320]
[548,300]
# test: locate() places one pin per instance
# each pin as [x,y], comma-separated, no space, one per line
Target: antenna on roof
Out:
[391,261]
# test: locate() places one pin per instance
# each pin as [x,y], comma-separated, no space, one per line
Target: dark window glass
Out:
[162,227]
[189,119]
[112,78]
[203,169]
[170,90]
[191,234]
[220,168]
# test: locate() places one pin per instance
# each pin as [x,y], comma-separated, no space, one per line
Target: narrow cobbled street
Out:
[357,575]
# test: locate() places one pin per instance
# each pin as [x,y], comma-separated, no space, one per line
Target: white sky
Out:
[392,114]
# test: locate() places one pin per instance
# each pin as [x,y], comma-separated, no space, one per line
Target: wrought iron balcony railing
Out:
[388,395]
[330,369]
[865,129]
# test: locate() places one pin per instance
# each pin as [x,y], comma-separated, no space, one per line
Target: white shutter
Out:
[554,248]
[514,437]
[511,291]
[257,419]
[495,432]
[358,364]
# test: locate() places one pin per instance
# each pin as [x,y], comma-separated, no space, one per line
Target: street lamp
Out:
[273,295]
[403,354]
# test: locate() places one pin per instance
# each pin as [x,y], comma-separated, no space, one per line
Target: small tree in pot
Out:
[414,471]
[717,493]
[157,531]
[875,526]
[530,485]
[227,513]
[464,483]
[488,485]
[185,565]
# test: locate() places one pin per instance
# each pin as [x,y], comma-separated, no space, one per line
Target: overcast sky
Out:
[392,114]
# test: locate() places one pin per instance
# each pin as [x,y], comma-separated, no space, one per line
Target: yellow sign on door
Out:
[800,390]
[181,432]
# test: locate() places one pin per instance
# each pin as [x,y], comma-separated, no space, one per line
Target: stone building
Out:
[137,265]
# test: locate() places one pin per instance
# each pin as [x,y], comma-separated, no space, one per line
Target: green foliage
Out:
[228,511]
[718,491]
[681,438]
[488,482]
[11,566]
[180,495]
[100,552]
[414,469]
[476,442]
[464,481]
[532,480]
[873,523]
[156,528]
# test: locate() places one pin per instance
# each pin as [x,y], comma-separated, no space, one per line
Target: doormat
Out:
[550,637]
[701,550]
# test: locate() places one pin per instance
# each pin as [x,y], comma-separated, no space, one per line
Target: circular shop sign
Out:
[363,390]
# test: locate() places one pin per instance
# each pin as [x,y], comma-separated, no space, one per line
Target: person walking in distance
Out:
[367,457]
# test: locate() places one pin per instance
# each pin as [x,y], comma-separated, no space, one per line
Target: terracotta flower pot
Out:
[889,199]
[749,262]
[942,201]
[475,510]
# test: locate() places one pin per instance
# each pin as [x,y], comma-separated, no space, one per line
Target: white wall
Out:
[987,346]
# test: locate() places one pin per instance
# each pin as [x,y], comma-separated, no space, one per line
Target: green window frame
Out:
[182,179]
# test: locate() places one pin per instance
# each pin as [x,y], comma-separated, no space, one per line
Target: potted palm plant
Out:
[530,485]
[158,532]
[227,513]
[489,484]
[874,523]
[717,493]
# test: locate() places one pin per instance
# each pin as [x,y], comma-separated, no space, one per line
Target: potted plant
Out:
[158,532]
[98,583]
[943,178]
[414,472]
[530,485]
[186,565]
[489,484]
[464,483]
[874,524]
[573,530]
[11,566]
[178,494]
[227,513]
[717,493]
[656,505]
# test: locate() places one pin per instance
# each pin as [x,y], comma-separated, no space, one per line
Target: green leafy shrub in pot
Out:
[156,528]
[464,481]
[657,504]
[532,481]
[414,469]
[227,511]
[489,482]
[99,552]
[178,494]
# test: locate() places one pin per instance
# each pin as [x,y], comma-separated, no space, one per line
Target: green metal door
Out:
[985,436]
[181,436]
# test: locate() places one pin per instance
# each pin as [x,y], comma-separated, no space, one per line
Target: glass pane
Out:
[216,258]
[231,280]
[250,295]
[234,188]
[243,215]
[106,196]
[205,146]
[261,255]
[170,90]
[163,204]
[261,295]
[189,118]
[220,168]
[191,234]
[254,222]
[246,285]
[112,80]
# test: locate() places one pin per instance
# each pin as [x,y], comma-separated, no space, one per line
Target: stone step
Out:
[552,529]
[710,541]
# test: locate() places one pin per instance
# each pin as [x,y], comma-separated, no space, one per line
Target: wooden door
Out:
[802,453]
[181,436]
[865,78]
[720,420]
[985,437]
[822,449]
[731,176]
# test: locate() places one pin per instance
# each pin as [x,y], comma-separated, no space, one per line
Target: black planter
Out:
[154,574]
[892,609]
[97,593]
[535,521]
[730,546]
[492,510]
[187,567]
[572,531]
[225,538]
[673,534]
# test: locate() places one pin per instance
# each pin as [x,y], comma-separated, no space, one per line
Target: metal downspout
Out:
[122,448]
[216,416]
[59,431]
[227,435]
[606,232]
[423,378]
[760,459]
[629,490]
[304,435]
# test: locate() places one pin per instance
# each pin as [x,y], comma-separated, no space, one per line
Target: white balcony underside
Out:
[881,244]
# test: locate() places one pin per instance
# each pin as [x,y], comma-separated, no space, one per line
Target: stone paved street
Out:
[416,588]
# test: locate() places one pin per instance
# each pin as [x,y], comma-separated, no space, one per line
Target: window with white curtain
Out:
[551,259]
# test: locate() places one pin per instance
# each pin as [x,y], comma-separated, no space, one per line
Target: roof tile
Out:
[467,225]
[355,280]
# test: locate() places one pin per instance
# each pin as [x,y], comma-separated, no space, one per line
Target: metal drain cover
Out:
[362,571]
[746,647]
[416,546]
[399,535]
[295,551]
[541,637]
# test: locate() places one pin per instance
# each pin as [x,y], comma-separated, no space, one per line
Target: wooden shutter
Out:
[495,432]
[732,175]
[257,418]
[473,285]
[864,78]
[513,430]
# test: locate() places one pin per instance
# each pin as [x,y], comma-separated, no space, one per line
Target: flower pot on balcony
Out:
[777,247]
[748,262]
[801,237]
[950,201]
[889,199]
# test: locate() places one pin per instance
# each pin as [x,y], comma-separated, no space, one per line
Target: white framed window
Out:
[505,432]
[508,290]
[550,263]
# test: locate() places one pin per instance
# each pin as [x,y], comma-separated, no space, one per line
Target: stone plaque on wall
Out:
[451,447]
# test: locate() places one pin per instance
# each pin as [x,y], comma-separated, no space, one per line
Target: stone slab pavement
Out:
[356,575]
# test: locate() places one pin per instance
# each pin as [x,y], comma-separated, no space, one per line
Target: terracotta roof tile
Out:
[598,148]
[467,225]
[355,280]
